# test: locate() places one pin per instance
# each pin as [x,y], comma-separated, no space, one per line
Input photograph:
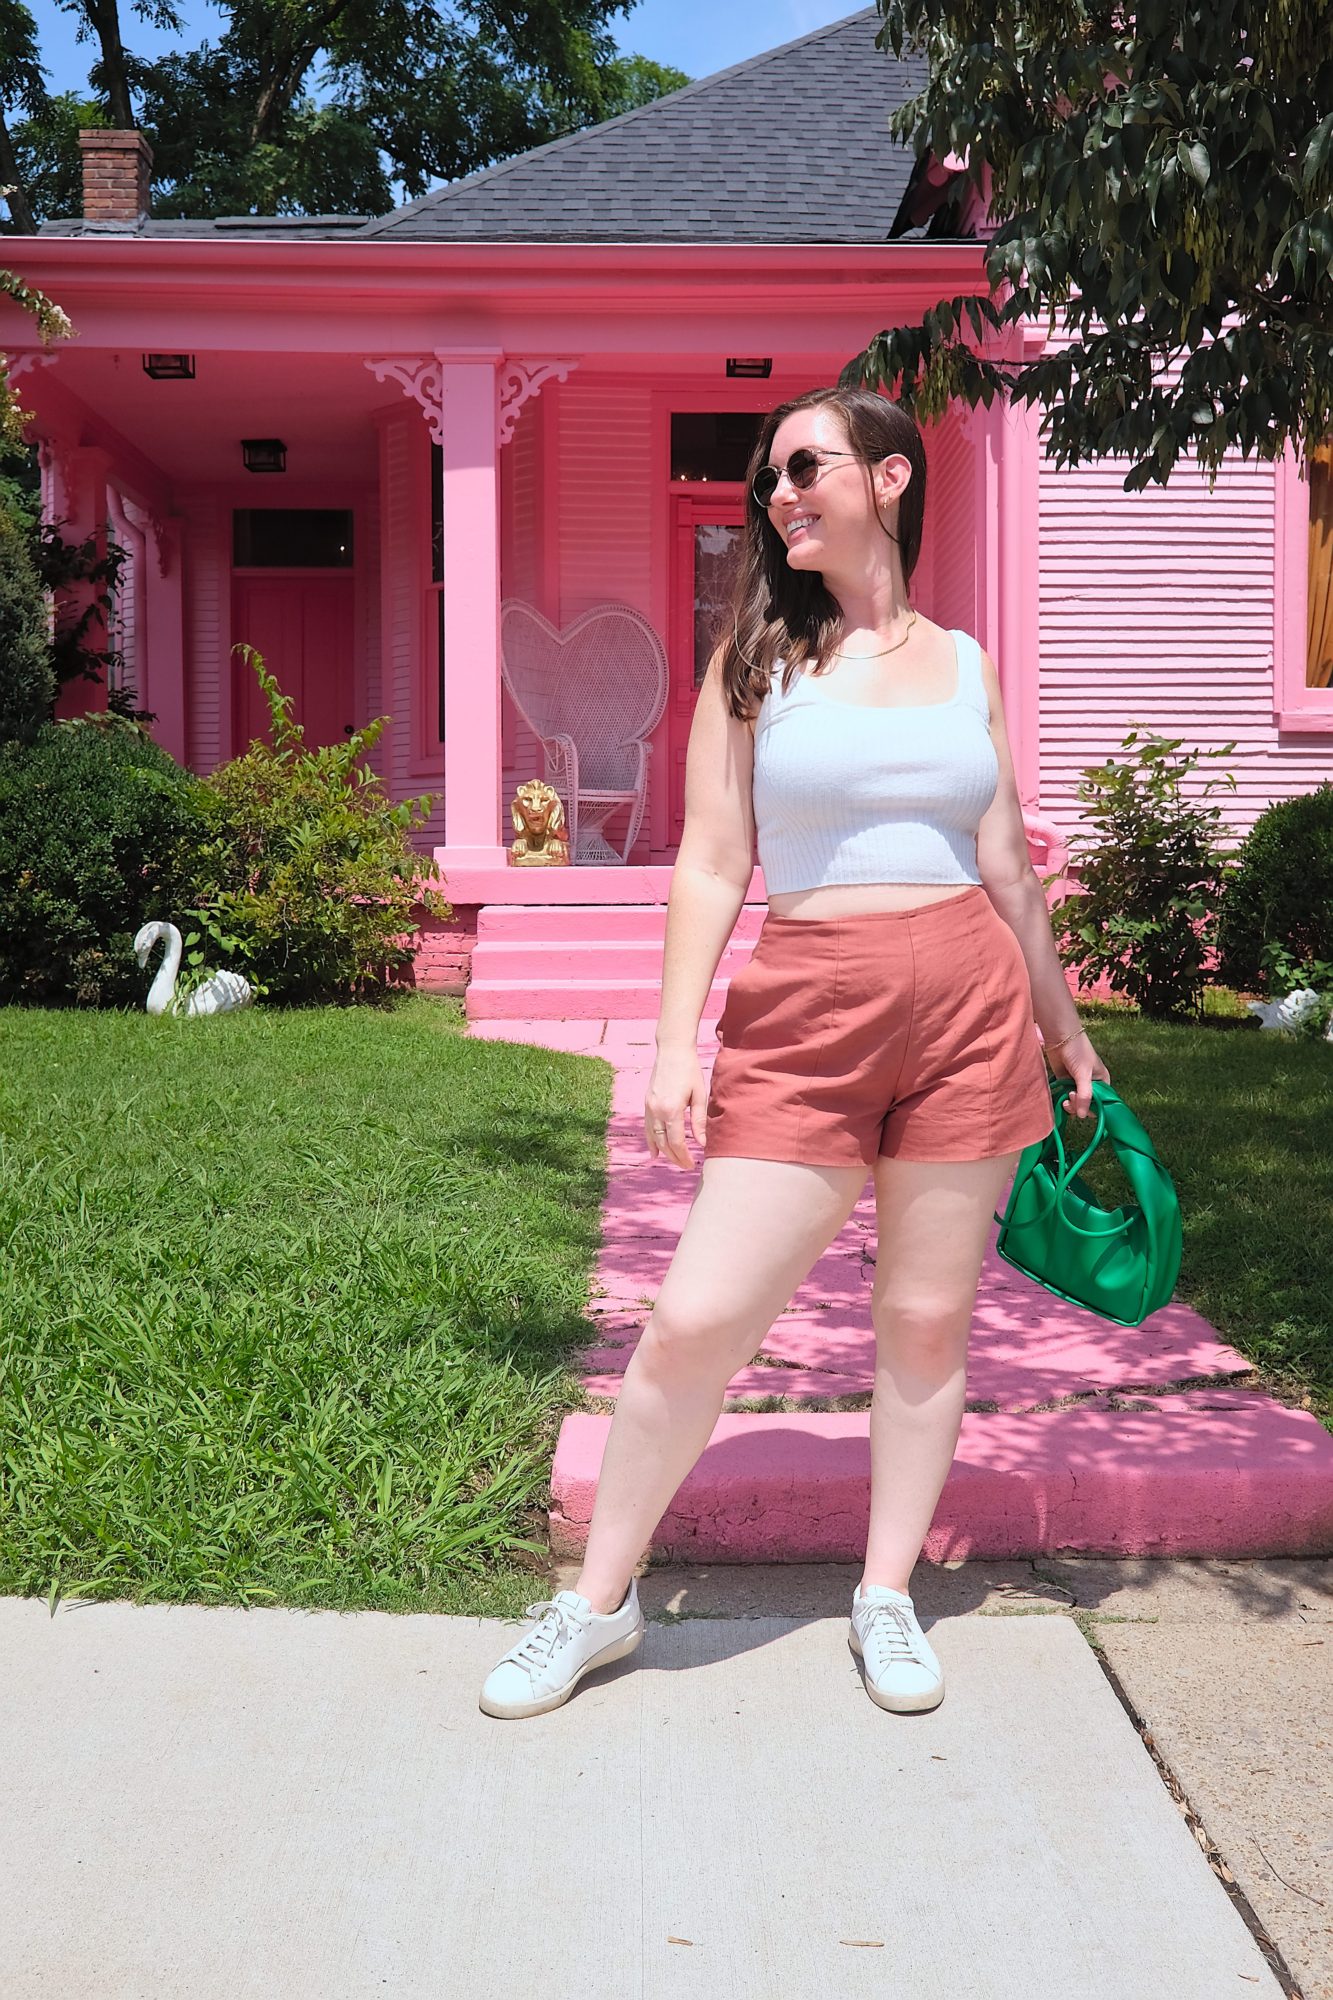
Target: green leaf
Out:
[1194,159]
[1317,151]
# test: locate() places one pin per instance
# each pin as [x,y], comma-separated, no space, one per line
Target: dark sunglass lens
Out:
[802,467]
[765,484]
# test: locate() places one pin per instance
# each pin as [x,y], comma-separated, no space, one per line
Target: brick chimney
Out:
[116,169]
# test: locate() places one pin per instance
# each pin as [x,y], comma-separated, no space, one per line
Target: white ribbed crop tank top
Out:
[845,792]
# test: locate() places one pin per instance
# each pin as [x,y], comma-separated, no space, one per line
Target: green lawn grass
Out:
[282,1304]
[284,1295]
[1242,1119]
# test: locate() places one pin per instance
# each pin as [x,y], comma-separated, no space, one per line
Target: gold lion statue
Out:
[539,822]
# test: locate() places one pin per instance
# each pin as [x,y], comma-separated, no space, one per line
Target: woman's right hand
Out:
[1078,1060]
[675,1086]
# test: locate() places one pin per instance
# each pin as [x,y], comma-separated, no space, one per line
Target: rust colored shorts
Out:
[900,1032]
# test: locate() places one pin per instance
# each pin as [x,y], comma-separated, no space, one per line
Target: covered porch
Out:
[451,427]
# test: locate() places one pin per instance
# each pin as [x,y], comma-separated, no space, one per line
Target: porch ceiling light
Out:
[169,367]
[264,454]
[759,368]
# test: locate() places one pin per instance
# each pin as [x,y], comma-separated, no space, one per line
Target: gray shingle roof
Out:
[332,227]
[791,146]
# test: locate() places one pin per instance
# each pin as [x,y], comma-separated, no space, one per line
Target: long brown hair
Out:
[776,610]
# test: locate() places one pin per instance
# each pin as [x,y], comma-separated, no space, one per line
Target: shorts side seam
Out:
[911,1030]
[824,1040]
[986,1044]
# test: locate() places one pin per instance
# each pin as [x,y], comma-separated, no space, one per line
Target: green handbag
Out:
[1121,1263]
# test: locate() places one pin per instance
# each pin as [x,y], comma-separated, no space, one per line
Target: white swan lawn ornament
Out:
[217,995]
[1288,1012]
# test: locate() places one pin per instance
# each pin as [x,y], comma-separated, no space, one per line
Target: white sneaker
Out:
[568,1641]
[901,1670]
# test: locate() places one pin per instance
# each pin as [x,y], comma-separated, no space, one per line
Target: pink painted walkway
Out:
[1158,1454]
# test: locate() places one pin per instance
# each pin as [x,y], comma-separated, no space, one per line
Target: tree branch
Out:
[20,209]
[104,16]
[278,91]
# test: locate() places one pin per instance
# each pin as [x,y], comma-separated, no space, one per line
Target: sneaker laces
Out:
[558,1622]
[895,1630]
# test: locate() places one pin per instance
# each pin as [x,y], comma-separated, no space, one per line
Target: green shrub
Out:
[1277,912]
[93,818]
[306,879]
[1151,877]
[27,679]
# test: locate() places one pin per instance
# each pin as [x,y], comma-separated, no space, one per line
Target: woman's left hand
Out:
[1078,1059]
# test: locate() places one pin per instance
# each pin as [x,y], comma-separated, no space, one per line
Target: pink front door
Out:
[303,627]
[706,534]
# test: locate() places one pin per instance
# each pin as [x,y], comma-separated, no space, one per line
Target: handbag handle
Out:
[1060,1089]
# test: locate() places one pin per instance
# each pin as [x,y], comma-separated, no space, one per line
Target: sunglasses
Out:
[802,468]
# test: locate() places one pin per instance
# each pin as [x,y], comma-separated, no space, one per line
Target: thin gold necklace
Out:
[887,649]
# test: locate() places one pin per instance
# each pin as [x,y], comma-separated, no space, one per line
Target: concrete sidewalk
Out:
[218,1803]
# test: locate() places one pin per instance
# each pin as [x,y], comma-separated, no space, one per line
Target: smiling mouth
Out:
[799,528]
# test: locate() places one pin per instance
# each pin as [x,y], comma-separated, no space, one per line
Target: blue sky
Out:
[695,35]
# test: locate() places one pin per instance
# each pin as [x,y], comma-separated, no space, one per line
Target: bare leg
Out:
[753,1231]
[933,1218]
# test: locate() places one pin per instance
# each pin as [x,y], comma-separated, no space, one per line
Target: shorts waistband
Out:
[941,910]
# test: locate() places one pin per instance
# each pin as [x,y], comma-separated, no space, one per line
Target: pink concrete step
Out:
[593,920]
[1225,1473]
[574,961]
[551,962]
[571,999]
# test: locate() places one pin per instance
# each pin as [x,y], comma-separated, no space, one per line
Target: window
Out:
[717,549]
[1319,608]
[291,537]
[713,445]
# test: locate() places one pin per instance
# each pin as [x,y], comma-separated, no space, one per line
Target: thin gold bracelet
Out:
[1079,1030]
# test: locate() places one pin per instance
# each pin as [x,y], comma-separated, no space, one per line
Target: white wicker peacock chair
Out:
[591,695]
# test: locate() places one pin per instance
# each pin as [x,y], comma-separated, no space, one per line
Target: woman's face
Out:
[832,525]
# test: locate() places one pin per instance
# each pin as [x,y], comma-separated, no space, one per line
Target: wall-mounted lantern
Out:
[264,454]
[169,367]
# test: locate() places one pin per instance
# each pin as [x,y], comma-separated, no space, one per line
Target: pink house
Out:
[348,440]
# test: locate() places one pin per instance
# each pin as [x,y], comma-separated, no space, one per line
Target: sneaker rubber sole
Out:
[618,1649]
[897,1704]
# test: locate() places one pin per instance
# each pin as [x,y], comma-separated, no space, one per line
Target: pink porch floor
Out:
[1079,1435]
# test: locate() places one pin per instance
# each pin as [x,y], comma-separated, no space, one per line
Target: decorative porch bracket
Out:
[419,376]
[521,380]
[18,360]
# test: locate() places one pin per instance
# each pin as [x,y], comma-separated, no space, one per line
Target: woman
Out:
[885,1021]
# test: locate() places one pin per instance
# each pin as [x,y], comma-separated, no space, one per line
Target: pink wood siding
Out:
[582,454]
[945,584]
[1157,610]
[520,468]
[606,551]
[521,491]
[404,575]
[367,544]
[605,485]
[207,559]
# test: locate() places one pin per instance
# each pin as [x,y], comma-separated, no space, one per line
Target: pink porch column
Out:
[1008,578]
[470,450]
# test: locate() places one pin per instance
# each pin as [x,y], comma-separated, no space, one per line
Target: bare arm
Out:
[1014,887]
[708,883]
